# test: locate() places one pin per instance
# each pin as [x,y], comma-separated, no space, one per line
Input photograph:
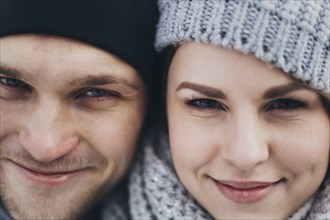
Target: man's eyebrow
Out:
[15,73]
[281,90]
[102,79]
[85,80]
[205,90]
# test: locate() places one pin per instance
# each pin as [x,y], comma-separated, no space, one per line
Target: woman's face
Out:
[247,141]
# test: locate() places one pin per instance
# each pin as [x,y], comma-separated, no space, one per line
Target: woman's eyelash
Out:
[204,104]
[286,104]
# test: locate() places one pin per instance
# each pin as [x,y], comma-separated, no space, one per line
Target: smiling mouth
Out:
[245,192]
[47,173]
[48,177]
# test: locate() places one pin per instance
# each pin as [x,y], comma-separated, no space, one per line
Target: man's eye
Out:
[14,89]
[98,94]
[205,104]
[13,83]
[97,99]
[286,105]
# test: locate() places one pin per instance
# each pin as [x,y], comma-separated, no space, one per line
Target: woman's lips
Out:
[245,192]
[50,178]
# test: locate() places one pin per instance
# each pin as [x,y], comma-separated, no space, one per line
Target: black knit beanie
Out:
[125,28]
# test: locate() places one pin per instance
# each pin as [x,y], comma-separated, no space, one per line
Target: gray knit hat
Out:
[293,35]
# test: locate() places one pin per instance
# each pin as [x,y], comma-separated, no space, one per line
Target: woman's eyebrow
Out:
[204,90]
[281,90]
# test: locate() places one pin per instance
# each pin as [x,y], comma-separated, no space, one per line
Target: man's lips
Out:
[47,172]
[246,191]
[50,177]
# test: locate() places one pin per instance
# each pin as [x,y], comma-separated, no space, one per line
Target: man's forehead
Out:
[62,59]
[46,43]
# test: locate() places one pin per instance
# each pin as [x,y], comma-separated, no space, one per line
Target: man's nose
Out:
[48,132]
[248,144]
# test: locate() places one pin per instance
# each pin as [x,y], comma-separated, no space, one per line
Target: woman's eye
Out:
[205,104]
[286,105]
[13,83]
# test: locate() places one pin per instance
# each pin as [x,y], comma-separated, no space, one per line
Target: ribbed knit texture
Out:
[292,35]
[157,193]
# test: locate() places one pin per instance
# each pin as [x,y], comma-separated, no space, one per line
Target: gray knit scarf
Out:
[156,192]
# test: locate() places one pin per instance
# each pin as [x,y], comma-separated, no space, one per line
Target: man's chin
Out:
[42,205]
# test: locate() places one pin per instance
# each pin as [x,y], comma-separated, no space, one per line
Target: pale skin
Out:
[235,120]
[70,118]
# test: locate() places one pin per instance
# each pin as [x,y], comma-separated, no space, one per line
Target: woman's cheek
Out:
[302,148]
[192,144]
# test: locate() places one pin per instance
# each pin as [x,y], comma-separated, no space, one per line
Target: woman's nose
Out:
[48,133]
[248,145]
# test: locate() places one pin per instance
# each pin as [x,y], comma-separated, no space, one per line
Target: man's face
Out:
[70,118]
